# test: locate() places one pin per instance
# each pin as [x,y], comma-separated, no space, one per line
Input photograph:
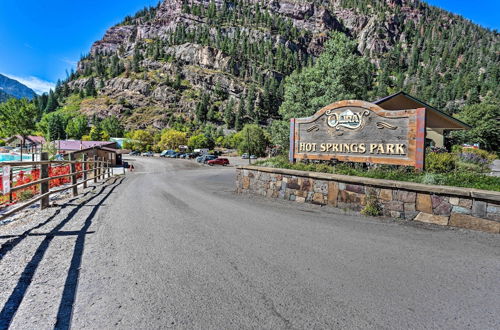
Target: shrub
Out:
[440,162]
[26,195]
[2,143]
[372,207]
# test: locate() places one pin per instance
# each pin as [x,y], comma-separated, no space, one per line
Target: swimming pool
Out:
[13,157]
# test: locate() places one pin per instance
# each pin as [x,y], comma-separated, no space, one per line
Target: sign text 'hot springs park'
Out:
[358,131]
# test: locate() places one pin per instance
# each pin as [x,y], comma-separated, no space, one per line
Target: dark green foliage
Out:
[77,127]
[485,130]
[52,102]
[90,89]
[112,126]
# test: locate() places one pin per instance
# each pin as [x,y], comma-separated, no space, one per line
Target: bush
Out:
[440,162]
[2,143]
[372,207]
[26,195]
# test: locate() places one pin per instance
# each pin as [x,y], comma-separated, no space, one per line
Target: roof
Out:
[31,138]
[454,122]
[79,144]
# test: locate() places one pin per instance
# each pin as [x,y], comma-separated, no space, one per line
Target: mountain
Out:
[185,60]
[13,88]
[4,96]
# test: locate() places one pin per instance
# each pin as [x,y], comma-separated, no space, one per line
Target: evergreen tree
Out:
[52,103]
[90,88]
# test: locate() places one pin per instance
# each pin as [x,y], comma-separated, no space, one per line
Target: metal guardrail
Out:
[98,167]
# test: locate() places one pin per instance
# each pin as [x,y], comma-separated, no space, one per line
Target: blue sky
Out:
[40,40]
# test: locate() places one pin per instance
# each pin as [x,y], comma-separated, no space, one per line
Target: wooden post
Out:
[109,169]
[84,168]
[74,179]
[44,187]
[101,172]
[11,177]
[95,169]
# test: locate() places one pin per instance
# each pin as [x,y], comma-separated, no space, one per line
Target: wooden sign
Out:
[358,131]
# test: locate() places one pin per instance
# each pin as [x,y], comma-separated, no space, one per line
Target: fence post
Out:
[44,186]
[84,168]
[101,169]
[74,179]
[109,169]
[95,170]
[11,178]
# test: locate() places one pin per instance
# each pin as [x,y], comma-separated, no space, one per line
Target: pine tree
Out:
[90,88]
[52,103]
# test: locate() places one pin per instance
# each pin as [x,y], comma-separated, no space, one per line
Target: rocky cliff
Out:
[187,60]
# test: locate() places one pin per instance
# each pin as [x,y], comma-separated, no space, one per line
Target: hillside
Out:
[13,88]
[187,60]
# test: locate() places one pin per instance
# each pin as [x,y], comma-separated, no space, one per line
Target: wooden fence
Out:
[95,170]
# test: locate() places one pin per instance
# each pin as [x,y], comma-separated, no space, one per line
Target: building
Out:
[437,122]
[32,143]
[68,146]
[111,155]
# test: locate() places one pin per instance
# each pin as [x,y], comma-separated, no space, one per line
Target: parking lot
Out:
[233,160]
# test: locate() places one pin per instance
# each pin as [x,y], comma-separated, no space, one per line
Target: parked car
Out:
[244,156]
[205,158]
[253,157]
[134,153]
[167,153]
[147,154]
[218,161]
[208,158]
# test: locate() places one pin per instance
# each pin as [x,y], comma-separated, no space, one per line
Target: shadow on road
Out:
[68,298]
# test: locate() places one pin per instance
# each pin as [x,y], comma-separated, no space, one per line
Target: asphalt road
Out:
[172,246]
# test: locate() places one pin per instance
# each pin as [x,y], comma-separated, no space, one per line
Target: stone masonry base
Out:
[447,206]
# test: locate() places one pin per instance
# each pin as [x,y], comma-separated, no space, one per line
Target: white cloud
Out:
[38,85]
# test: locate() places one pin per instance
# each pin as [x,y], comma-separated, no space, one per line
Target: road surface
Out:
[172,246]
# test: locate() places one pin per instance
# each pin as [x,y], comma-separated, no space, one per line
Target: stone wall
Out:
[442,205]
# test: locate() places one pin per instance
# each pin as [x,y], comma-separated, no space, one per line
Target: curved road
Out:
[172,246]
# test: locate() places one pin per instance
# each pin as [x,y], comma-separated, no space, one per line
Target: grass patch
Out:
[455,178]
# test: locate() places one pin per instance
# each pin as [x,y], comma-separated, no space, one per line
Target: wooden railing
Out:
[95,170]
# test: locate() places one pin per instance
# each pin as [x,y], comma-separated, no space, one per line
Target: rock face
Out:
[155,66]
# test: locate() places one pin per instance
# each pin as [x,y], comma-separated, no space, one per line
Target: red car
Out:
[218,161]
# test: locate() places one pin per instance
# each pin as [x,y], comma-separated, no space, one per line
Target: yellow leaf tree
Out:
[172,139]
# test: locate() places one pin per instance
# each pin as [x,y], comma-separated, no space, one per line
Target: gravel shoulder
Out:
[171,245]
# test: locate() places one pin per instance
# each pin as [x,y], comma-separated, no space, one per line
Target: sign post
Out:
[6,180]
[358,131]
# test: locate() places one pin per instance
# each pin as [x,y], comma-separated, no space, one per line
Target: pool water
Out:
[13,157]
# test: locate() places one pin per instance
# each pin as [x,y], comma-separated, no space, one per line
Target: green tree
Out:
[77,127]
[96,133]
[90,89]
[112,126]
[18,117]
[483,118]
[229,113]
[339,73]
[253,140]
[52,102]
[200,141]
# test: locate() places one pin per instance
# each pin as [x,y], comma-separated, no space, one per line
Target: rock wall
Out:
[448,206]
